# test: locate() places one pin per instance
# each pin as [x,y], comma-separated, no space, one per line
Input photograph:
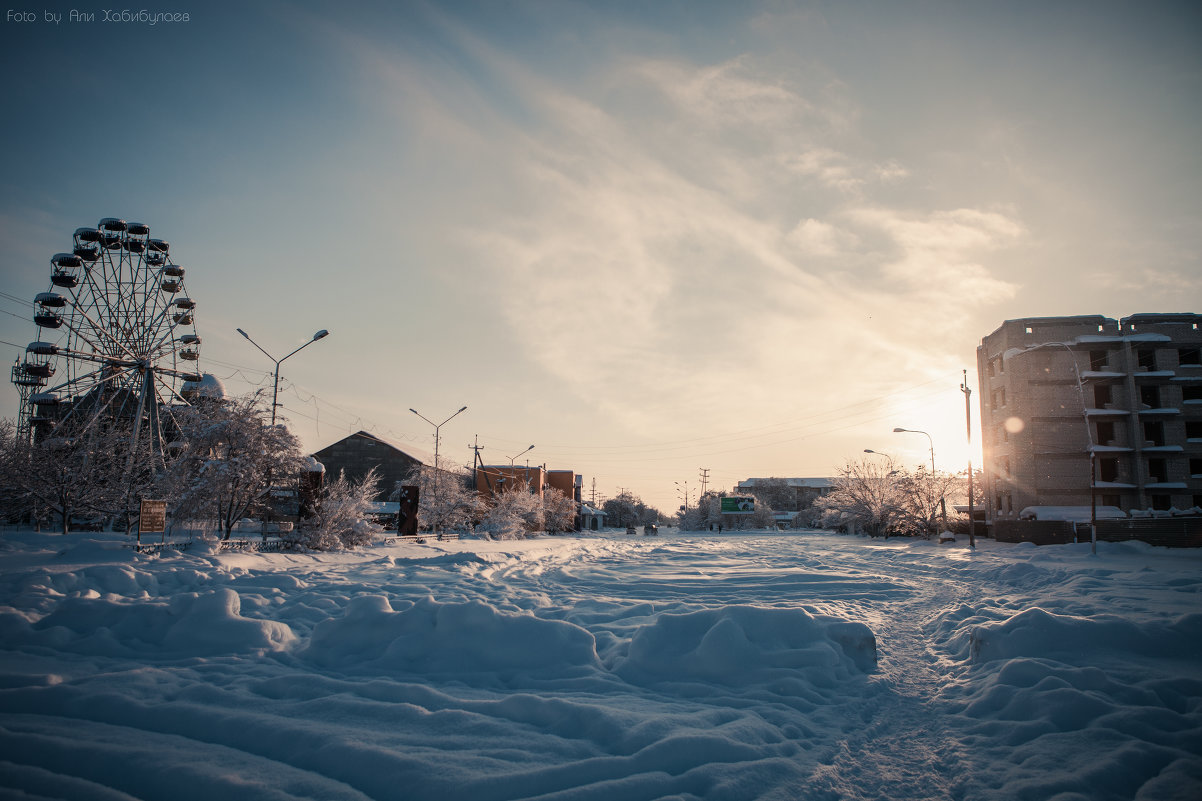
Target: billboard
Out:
[738,505]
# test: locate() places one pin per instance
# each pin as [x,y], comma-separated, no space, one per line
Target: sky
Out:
[647,238]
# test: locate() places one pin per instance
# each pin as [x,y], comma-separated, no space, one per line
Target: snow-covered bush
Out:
[340,518]
[515,513]
[445,497]
[559,511]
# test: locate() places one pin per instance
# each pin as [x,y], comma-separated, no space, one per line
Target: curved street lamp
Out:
[275,392]
[942,501]
[437,469]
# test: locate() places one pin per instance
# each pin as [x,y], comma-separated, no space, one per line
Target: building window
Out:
[1113,500]
[1098,360]
[1195,468]
[1006,465]
[1150,396]
[1154,433]
[1009,504]
[999,398]
[1105,432]
[1158,471]
[1162,502]
[1030,330]
[1108,469]
[1193,429]
[1189,356]
[1102,395]
[1191,392]
[1147,359]
[998,502]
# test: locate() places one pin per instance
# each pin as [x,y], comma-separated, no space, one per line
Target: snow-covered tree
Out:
[340,519]
[866,495]
[73,471]
[924,498]
[232,457]
[559,511]
[775,493]
[705,515]
[628,509]
[445,496]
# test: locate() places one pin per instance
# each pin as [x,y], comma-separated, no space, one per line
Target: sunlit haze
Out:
[648,237]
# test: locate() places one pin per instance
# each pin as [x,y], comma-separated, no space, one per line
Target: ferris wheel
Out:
[116,338]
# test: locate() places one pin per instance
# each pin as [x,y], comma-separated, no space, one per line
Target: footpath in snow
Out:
[745,666]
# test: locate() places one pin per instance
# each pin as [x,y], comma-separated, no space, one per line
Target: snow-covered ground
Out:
[784,666]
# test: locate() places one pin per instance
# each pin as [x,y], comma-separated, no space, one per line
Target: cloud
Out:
[821,239]
[676,244]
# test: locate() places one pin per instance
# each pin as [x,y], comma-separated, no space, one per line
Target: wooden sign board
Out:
[152,519]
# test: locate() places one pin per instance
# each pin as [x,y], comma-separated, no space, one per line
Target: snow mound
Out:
[188,625]
[1036,632]
[743,645]
[429,637]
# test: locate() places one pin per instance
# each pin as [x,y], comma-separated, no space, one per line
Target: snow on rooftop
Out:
[1074,514]
[810,483]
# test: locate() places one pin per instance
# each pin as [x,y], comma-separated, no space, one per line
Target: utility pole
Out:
[972,514]
[476,462]
[705,476]
[593,501]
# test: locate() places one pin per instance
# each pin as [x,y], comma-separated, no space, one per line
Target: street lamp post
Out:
[437,426]
[275,392]
[972,513]
[515,456]
[942,501]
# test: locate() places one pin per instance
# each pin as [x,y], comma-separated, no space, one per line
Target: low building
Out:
[786,494]
[361,451]
[494,479]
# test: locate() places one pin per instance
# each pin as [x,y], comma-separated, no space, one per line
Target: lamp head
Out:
[321,335]
[900,430]
[243,333]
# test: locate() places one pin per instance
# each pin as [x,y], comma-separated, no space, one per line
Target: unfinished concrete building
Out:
[1084,409]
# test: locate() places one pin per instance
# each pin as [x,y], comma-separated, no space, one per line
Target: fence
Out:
[1173,532]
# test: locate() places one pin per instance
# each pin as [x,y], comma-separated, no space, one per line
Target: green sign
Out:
[737,505]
